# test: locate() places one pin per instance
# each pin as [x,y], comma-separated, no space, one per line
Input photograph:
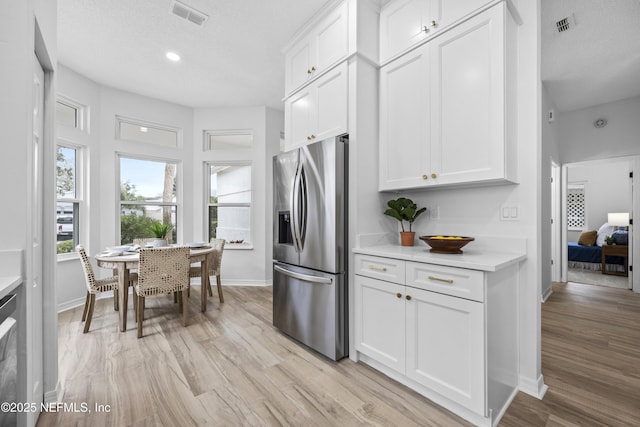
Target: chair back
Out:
[216,257]
[89,277]
[163,270]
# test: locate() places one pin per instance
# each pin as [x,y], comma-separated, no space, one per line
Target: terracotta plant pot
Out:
[407,238]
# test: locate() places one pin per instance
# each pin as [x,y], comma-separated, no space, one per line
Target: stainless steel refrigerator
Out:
[309,249]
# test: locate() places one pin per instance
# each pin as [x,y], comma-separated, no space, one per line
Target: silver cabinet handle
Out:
[376,268]
[303,277]
[440,280]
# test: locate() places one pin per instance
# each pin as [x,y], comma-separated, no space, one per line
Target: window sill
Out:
[240,247]
[70,256]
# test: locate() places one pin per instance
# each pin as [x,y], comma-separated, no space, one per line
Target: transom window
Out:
[150,133]
[70,113]
[229,203]
[147,195]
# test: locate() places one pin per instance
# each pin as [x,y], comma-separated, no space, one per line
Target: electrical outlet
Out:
[434,212]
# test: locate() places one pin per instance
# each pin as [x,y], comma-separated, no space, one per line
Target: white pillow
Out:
[604,231]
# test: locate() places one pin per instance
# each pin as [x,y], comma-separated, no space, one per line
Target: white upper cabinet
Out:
[405,23]
[323,46]
[318,110]
[446,108]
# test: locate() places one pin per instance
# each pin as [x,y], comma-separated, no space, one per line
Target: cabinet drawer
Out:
[457,282]
[391,270]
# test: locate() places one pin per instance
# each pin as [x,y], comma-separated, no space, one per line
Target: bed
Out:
[590,258]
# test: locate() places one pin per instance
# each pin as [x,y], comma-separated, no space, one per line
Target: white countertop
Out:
[474,259]
[8,284]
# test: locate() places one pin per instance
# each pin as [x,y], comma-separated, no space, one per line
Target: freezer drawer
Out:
[310,306]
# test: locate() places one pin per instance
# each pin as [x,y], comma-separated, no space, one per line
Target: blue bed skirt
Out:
[580,253]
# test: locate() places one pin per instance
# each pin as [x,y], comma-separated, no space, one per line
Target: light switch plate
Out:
[510,212]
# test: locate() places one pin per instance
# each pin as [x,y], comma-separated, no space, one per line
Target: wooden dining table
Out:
[130,260]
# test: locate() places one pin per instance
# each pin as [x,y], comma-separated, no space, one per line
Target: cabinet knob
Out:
[309,71]
[434,176]
[313,69]
[309,138]
[425,177]
[399,295]
[425,29]
[313,136]
[434,24]
[408,297]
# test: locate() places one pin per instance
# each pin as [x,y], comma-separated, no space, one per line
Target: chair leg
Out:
[209,286]
[185,307]
[175,297]
[219,283]
[189,290]
[140,315]
[86,307]
[115,300]
[179,296]
[92,303]
[135,304]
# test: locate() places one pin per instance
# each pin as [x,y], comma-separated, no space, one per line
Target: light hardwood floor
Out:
[231,367]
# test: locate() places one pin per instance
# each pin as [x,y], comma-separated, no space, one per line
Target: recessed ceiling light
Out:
[172,56]
[144,129]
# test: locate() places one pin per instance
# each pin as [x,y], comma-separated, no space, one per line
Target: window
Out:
[147,195]
[229,204]
[576,208]
[228,140]
[138,131]
[70,113]
[68,193]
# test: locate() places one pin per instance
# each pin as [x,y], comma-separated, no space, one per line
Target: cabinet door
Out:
[298,62]
[331,104]
[404,121]
[380,321]
[401,26]
[299,118]
[446,12]
[468,98]
[331,39]
[445,346]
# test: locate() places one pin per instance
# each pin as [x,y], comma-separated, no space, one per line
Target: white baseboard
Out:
[536,388]
[547,294]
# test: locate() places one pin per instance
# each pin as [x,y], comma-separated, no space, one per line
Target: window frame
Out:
[143,123]
[207,202]
[79,199]
[82,113]
[206,146]
[178,192]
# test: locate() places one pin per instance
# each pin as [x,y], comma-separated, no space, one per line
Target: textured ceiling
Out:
[235,59]
[596,62]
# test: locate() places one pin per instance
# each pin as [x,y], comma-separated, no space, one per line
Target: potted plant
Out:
[159,231]
[404,209]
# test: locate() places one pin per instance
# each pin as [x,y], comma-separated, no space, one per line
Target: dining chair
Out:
[162,271]
[94,287]
[215,261]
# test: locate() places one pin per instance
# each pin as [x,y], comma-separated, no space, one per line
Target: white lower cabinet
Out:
[446,332]
[445,346]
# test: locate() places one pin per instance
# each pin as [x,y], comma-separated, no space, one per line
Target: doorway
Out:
[591,192]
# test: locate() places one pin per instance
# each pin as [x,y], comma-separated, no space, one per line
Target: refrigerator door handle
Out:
[302,230]
[303,277]
[295,203]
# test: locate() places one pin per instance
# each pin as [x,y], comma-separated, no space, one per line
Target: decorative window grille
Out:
[576,210]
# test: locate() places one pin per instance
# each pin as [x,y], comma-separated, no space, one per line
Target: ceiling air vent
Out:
[188,13]
[565,24]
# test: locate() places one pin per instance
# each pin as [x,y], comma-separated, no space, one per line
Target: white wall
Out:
[19,38]
[580,140]
[607,189]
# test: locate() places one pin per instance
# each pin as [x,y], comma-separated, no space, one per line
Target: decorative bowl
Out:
[446,244]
